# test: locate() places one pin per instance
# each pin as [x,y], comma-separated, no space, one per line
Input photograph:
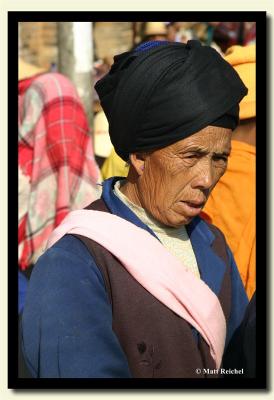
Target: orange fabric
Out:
[231,207]
[243,60]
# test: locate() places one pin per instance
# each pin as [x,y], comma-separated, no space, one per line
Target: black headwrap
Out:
[164,92]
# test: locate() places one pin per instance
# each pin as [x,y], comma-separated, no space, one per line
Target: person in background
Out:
[108,160]
[184,31]
[102,142]
[114,166]
[154,31]
[228,34]
[57,172]
[25,71]
[171,31]
[231,205]
[180,31]
[137,284]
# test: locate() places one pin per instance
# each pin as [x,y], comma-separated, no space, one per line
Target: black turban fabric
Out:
[165,92]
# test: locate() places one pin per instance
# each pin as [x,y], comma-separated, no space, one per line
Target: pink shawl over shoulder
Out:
[157,270]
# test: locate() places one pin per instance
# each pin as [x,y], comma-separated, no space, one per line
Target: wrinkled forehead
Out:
[210,139]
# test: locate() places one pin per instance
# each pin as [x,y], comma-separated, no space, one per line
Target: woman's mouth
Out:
[192,208]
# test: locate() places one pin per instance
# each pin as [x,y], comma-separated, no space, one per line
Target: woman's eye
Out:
[192,156]
[220,158]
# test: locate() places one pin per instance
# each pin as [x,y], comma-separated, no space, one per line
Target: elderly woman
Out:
[138,285]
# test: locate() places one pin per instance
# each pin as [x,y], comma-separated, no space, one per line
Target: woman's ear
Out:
[137,160]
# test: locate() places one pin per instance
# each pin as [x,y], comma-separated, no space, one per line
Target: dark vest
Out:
[157,342]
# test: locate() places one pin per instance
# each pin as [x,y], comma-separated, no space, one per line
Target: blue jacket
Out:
[67,299]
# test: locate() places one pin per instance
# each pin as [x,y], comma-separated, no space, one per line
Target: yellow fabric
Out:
[243,60]
[102,142]
[231,207]
[175,240]
[114,166]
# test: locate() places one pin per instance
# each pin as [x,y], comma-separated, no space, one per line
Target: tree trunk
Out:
[75,59]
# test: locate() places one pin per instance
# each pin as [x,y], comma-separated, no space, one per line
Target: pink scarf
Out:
[157,270]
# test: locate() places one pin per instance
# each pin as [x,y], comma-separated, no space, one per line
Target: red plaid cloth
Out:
[57,169]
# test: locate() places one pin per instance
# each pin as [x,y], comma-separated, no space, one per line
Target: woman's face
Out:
[177,180]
